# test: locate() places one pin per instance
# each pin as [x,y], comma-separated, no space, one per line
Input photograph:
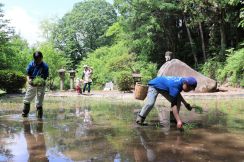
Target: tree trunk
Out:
[192,44]
[223,41]
[203,44]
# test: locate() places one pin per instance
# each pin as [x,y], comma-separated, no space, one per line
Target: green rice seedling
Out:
[38,81]
[198,109]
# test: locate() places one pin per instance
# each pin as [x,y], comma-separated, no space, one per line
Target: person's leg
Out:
[39,101]
[151,98]
[84,88]
[167,96]
[164,117]
[29,95]
[89,87]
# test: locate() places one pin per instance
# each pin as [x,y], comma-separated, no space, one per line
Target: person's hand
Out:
[30,81]
[188,106]
[179,124]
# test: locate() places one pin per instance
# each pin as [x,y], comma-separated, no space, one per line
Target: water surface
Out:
[82,129]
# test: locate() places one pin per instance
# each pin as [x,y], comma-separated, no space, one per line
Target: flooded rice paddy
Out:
[89,129]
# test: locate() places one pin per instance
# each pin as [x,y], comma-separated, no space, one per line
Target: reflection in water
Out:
[83,127]
[117,158]
[139,153]
[105,131]
[35,140]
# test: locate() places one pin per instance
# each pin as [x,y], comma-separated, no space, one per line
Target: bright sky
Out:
[26,15]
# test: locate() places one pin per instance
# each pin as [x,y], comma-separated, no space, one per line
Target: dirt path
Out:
[223,93]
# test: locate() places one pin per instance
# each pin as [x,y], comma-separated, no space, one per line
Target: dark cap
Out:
[191,82]
[37,55]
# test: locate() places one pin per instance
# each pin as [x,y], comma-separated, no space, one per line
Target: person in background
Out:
[36,68]
[86,76]
[78,86]
[170,87]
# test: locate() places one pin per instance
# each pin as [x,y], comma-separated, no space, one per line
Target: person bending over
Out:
[170,87]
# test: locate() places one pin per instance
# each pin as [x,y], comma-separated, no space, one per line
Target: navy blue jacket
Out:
[33,70]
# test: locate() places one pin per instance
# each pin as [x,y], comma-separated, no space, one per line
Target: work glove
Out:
[188,107]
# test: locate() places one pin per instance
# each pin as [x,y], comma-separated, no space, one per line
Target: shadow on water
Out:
[79,130]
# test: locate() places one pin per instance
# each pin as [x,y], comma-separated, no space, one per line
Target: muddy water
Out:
[98,130]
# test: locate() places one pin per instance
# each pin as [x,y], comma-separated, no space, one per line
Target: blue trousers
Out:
[151,99]
[89,87]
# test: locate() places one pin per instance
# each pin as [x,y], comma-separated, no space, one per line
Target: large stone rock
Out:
[176,67]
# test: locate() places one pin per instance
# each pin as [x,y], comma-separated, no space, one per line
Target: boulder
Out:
[176,67]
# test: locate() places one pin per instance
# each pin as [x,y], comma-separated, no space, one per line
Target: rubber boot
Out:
[26,110]
[140,119]
[39,127]
[39,112]
[27,128]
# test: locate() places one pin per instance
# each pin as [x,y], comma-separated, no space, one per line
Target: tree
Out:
[222,18]
[5,34]
[21,53]
[48,27]
[194,18]
[82,30]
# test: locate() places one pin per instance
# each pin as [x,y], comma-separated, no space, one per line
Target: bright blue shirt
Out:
[173,85]
[34,70]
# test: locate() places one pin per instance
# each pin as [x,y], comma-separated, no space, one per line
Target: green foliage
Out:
[11,81]
[38,81]
[108,61]
[188,127]
[241,24]
[124,80]
[102,60]
[147,70]
[212,68]
[135,40]
[115,31]
[150,26]
[6,33]
[82,30]
[55,60]
[21,53]
[198,109]
[233,70]
[206,28]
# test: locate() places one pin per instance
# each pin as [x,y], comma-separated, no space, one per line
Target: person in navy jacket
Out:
[36,68]
[170,87]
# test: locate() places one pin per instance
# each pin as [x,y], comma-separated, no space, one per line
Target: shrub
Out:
[212,68]
[11,81]
[233,71]
[147,70]
[124,80]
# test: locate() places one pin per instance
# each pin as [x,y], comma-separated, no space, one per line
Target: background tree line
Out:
[132,36]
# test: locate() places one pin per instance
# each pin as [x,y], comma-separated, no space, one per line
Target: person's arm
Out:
[90,70]
[29,80]
[183,100]
[177,117]
[29,73]
[187,105]
[173,101]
